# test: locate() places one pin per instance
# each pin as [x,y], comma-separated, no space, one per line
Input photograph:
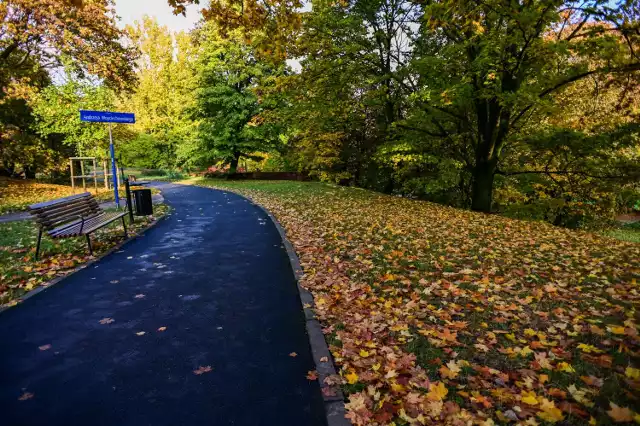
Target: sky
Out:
[133,10]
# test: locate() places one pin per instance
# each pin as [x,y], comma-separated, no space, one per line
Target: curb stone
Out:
[333,404]
[46,285]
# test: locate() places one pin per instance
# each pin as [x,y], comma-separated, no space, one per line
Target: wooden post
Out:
[73,184]
[106,178]
[84,182]
[95,175]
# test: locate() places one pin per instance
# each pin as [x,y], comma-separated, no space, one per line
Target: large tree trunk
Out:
[482,186]
[29,172]
[233,167]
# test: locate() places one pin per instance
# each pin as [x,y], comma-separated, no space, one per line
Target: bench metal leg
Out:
[124,225]
[38,246]
[89,245]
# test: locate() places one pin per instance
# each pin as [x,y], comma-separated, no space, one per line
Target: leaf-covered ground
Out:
[18,194]
[20,272]
[440,315]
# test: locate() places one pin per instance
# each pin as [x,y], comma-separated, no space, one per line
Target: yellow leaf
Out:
[437,392]
[566,367]
[529,398]
[352,377]
[588,348]
[550,412]
[616,330]
[364,353]
[632,373]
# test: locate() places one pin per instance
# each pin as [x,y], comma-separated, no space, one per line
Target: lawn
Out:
[18,194]
[440,315]
[20,272]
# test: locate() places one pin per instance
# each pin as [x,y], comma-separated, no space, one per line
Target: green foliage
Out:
[163,96]
[56,109]
[228,104]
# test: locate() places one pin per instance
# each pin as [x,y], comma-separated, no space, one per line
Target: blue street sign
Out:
[107,117]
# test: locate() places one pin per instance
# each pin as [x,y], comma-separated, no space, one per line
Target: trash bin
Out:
[144,206]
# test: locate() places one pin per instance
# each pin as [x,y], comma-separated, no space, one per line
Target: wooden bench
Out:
[73,216]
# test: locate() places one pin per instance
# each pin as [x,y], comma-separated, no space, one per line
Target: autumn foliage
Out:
[440,315]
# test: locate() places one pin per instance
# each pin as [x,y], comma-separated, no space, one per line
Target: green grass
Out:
[20,272]
[629,232]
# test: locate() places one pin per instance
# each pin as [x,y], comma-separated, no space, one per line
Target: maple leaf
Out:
[162,328]
[293,354]
[201,370]
[588,348]
[549,412]
[324,359]
[620,414]
[312,375]
[352,377]
[106,320]
[592,381]
[25,396]
[632,373]
[529,398]
[437,391]
[328,391]
[566,367]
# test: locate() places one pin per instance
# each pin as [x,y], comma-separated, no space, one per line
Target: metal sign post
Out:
[114,169]
[110,117]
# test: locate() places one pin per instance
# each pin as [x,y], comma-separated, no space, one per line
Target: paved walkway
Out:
[217,277]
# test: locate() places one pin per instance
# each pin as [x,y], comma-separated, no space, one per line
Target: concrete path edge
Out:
[334,404]
[47,285]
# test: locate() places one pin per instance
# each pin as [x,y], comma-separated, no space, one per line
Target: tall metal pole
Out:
[114,169]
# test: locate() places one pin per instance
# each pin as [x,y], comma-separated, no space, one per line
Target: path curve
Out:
[216,275]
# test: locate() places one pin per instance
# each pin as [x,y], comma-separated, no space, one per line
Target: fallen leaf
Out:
[351,377]
[324,359]
[106,320]
[437,392]
[202,370]
[44,347]
[312,375]
[140,333]
[25,396]
[139,296]
[162,328]
[328,391]
[620,414]
[293,354]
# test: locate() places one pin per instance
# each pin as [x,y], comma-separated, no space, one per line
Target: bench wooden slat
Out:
[64,207]
[88,227]
[57,214]
[58,201]
[63,217]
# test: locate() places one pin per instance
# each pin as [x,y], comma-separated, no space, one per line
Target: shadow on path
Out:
[216,276]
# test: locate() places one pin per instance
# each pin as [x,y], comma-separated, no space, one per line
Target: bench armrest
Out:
[81,223]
